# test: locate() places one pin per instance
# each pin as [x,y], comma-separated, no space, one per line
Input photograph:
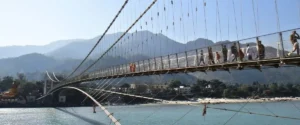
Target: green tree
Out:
[274,87]
[6,83]
[28,88]
[226,93]
[21,77]
[125,85]
[174,84]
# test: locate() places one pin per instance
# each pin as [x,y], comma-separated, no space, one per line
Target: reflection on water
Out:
[152,115]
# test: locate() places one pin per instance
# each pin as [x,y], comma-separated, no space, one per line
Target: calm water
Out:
[152,115]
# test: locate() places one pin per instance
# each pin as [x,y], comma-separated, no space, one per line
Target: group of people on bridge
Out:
[250,51]
[235,53]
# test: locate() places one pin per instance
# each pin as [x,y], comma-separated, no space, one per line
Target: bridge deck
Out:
[225,67]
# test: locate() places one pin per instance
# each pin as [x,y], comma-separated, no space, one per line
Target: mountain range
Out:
[63,56]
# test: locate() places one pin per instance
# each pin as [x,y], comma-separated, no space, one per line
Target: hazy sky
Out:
[39,22]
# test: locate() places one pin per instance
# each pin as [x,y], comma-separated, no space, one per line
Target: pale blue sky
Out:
[39,22]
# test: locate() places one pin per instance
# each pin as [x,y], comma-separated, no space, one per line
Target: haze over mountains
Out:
[63,56]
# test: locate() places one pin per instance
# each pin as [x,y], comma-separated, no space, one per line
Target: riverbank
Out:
[225,100]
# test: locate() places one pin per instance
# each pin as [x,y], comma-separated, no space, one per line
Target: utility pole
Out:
[45,87]
[278,44]
[51,84]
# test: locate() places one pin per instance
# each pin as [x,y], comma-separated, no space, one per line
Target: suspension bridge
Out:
[120,58]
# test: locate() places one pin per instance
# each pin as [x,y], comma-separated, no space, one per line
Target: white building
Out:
[183,90]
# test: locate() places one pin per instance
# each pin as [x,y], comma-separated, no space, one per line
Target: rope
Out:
[268,109]
[235,113]
[111,23]
[296,106]
[142,121]
[184,115]
[254,113]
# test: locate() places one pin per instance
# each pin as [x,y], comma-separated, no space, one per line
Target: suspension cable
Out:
[182,24]
[228,19]
[235,113]
[277,16]
[242,18]
[216,22]
[148,8]
[204,8]
[216,108]
[111,23]
[255,23]
[192,10]
[299,7]
[236,28]
[184,115]
[257,15]
[219,19]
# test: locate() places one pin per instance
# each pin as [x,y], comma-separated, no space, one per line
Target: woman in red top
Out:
[218,57]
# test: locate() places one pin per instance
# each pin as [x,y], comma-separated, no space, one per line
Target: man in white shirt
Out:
[250,52]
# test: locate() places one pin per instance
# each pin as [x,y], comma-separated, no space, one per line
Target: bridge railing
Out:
[276,46]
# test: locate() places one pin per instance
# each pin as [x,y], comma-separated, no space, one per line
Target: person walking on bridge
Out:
[225,52]
[261,50]
[201,57]
[293,37]
[210,56]
[218,57]
[134,66]
[94,108]
[130,67]
[249,52]
[234,52]
[241,54]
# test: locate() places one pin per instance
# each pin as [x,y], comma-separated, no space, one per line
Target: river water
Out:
[154,115]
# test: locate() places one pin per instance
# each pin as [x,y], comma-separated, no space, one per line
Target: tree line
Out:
[218,89]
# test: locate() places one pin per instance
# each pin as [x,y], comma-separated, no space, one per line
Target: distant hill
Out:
[155,45]
[26,63]
[15,51]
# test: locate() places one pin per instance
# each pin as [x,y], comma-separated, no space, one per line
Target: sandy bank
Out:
[224,100]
